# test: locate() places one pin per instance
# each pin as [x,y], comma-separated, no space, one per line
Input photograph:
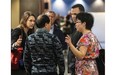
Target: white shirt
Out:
[52,29]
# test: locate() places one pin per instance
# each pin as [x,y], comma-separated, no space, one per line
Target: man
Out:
[55,30]
[43,51]
[75,36]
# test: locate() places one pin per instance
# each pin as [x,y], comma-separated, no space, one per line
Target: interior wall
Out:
[18,7]
[15,13]
[29,5]
[63,6]
[48,6]
[99,26]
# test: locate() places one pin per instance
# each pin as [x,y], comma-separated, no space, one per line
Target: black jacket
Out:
[75,36]
[15,35]
[42,54]
[61,36]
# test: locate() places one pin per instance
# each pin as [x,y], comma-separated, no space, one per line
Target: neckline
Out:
[87,32]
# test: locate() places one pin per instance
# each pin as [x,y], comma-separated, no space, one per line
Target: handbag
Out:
[15,57]
[100,60]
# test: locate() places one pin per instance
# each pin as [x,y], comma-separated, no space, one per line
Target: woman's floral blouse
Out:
[87,65]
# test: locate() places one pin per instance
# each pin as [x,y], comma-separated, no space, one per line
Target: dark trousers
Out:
[18,72]
[71,70]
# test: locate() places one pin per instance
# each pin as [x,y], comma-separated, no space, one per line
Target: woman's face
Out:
[79,26]
[30,22]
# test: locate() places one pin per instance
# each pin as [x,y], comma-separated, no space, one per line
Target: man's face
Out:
[74,11]
[52,17]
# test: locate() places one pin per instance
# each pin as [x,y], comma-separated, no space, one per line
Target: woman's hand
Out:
[19,41]
[68,40]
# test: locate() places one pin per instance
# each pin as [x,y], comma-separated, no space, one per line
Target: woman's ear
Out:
[84,23]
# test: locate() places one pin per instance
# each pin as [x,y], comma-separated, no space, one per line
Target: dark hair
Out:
[52,12]
[86,17]
[40,23]
[80,6]
[25,17]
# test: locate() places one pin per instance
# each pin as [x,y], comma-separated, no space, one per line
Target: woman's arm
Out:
[80,53]
[16,38]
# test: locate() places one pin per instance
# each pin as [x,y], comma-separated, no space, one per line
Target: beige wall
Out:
[30,5]
[18,7]
[15,13]
[49,5]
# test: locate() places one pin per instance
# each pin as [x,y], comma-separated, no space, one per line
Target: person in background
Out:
[43,51]
[55,30]
[19,35]
[57,20]
[75,35]
[66,26]
[87,48]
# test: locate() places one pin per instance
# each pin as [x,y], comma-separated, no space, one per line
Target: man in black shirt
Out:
[75,36]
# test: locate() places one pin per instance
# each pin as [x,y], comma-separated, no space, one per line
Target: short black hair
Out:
[52,12]
[40,23]
[80,6]
[86,17]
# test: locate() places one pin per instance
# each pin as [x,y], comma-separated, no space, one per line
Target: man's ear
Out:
[46,25]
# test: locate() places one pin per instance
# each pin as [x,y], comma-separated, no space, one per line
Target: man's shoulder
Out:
[56,29]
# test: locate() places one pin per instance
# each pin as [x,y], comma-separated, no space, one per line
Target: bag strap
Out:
[100,53]
[99,43]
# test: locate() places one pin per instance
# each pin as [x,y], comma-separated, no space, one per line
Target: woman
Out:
[19,34]
[87,48]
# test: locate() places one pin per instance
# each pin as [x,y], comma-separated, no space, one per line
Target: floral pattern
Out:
[87,65]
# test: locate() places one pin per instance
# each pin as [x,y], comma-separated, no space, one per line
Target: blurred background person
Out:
[55,30]
[18,37]
[43,51]
[87,48]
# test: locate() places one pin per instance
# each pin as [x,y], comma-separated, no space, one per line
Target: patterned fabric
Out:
[43,52]
[87,65]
